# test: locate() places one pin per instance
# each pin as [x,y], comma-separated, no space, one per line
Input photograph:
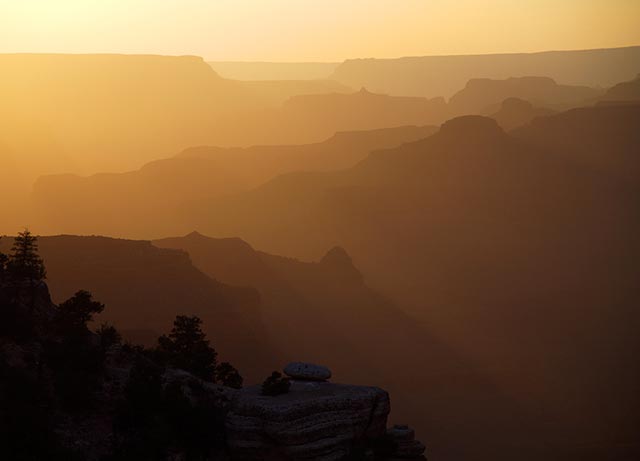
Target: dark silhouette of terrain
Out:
[518,249]
[145,287]
[484,271]
[623,92]
[433,76]
[601,140]
[69,391]
[321,309]
[484,96]
[325,300]
[363,110]
[324,310]
[149,200]
[514,113]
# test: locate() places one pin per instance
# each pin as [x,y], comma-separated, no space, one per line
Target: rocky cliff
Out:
[314,421]
[127,404]
[443,75]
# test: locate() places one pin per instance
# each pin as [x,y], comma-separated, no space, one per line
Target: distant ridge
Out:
[432,76]
[243,70]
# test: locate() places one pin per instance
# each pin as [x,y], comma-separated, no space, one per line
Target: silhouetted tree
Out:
[108,335]
[275,384]
[141,427]
[24,262]
[3,265]
[72,353]
[27,427]
[187,348]
[16,321]
[153,420]
[228,376]
[78,310]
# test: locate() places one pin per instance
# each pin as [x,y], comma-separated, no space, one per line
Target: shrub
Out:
[108,336]
[154,421]
[228,376]
[275,384]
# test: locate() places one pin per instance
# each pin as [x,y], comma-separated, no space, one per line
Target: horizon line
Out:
[311,61]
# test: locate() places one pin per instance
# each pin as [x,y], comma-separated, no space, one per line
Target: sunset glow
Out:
[308,30]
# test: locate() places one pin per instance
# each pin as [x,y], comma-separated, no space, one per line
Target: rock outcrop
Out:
[315,421]
[515,112]
[307,371]
[406,445]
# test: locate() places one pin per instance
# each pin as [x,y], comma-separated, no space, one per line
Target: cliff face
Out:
[145,287]
[553,202]
[67,394]
[126,391]
[315,421]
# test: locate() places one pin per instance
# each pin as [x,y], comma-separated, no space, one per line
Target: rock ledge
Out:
[315,421]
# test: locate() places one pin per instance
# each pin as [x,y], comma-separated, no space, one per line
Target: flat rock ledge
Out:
[318,421]
[307,371]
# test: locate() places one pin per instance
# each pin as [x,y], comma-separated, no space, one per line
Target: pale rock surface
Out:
[318,421]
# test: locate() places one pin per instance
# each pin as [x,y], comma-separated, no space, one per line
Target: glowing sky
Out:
[314,30]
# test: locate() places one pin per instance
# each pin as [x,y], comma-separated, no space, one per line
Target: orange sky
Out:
[314,30]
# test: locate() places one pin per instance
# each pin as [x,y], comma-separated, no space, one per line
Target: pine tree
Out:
[228,376]
[187,348]
[79,310]
[24,262]
[3,263]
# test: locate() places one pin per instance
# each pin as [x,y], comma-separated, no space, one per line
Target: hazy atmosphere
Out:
[286,230]
[307,30]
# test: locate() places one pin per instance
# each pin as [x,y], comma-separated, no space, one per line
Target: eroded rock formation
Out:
[315,421]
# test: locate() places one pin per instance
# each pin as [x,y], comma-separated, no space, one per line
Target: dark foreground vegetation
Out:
[69,390]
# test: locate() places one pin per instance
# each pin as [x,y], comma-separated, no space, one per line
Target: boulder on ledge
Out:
[307,371]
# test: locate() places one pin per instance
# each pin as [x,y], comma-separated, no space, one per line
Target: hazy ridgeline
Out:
[443,75]
[274,71]
[472,223]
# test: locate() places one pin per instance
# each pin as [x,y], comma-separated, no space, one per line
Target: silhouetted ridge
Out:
[337,256]
[146,286]
[516,104]
[484,96]
[150,201]
[340,263]
[604,138]
[516,112]
[471,127]
[229,244]
[444,75]
[625,91]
